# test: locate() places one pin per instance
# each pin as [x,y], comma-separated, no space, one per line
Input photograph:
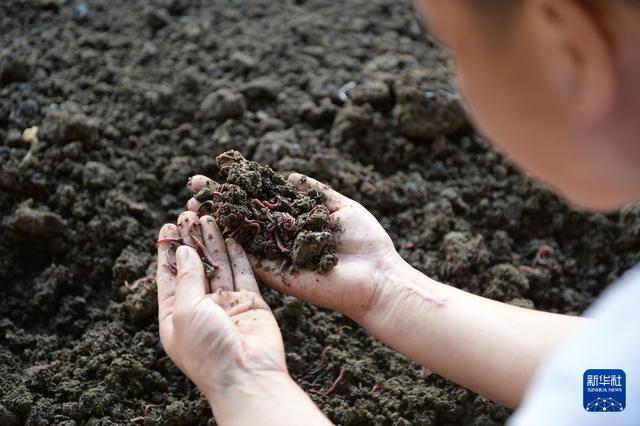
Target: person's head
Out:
[555,84]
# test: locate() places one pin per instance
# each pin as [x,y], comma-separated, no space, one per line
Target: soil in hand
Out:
[269,216]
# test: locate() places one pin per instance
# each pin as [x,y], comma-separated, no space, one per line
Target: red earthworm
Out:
[322,363]
[273,206]
[162,360]
[226,165]
[310,385]
[279,243]
[288,222]
[208,205]
[541,261]
[216,214]
[203,249]
[144,281]
[188,388]
[258,203]
[283,266]
[170,241]
[320,206]
[254,223]
[333,387]
[235,230]
[147,407]
[210,269]
[171,264]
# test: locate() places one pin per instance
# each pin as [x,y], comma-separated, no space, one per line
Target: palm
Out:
[362,247]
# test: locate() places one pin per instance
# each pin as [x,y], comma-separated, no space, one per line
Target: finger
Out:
[190,282]
[164,277]
[193,205]
[334,201]
[215,245]
[191,233]
[197,182]
[242,273]
[184,221]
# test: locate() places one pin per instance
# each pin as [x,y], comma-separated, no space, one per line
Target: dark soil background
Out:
[132,98]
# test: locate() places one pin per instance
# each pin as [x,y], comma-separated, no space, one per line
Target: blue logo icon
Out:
[605,391]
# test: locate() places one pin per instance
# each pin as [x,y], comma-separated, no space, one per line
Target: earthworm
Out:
[210,269]
[279,243]
[541,261]
[162,360]
[171,263]
[178,241]
[273,206]
[259,214]
[144,281]
[322,363]
[283,265]
[333,387]
[272,228]
[208,205]
[147,407]
[203,249]
[289,222]
[313,210]
[229,161]
[252,223]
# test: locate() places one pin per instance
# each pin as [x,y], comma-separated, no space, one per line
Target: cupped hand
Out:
[218,331]
[365,251]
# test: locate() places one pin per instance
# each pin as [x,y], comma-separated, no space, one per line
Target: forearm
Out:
[269,400]
[489,347]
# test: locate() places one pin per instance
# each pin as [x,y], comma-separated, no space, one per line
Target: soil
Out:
[131,98]
[269,216]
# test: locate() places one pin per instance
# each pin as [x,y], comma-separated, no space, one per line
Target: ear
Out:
[579,58]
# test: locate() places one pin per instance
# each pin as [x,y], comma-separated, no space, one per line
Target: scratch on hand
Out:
[420,292]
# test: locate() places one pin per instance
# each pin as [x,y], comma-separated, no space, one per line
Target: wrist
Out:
[243,387]
[263,398]
[401,289]
[371,288]
[249,392]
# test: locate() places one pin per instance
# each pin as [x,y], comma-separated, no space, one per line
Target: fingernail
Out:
[182,255]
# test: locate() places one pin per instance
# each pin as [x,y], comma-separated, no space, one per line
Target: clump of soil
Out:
[269,216]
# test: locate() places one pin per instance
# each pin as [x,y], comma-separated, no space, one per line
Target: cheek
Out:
[502,107]
[486,96]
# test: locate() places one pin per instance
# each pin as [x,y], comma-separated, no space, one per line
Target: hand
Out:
[218,331]
[365,251]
